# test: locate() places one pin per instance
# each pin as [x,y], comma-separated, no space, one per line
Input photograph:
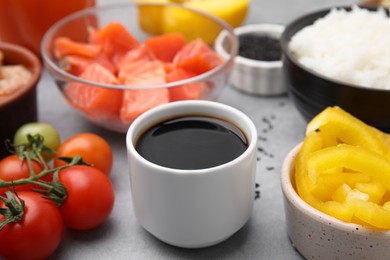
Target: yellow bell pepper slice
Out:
[328,182]
[385,138]
[351,157]
[356,194]
[311,143]
[372,214]
[343,169]
[374,189]
[386,206]
[347,129]
[352,178]
[341,193]
[343,211]
[385,198]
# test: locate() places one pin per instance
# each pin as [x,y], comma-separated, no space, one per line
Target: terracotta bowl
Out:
[317,235]
[19,107]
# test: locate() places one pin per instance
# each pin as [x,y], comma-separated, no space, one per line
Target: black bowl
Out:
[312,92]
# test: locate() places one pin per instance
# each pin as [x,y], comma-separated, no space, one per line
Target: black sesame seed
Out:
[259,47]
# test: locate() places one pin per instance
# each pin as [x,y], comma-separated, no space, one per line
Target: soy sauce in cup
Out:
[191,202]
[192,142]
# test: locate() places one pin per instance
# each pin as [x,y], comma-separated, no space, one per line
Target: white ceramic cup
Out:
[192,208]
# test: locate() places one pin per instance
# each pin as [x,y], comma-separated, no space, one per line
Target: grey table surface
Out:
[280,128]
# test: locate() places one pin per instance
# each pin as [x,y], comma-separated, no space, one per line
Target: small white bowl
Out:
[252,76]
[319,236]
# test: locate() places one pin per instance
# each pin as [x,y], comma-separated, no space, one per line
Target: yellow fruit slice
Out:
[191,24]
[150,18]
[157,20]
[233,12]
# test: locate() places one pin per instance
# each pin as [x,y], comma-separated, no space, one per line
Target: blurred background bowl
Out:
[25,22]
[312,92]
[317,235]
[252,75]
[20,107]
[142,21]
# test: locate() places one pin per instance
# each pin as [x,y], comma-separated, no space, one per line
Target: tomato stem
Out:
[14,210]
[34,178]
[55,190]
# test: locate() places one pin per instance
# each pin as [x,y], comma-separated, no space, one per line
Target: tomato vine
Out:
[55,190]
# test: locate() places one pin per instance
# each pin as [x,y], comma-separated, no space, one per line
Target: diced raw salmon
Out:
[64,46]
[97,101]
[197,57]
[136,102]
[76,65]
[138,53]
[168,66]
[164,47]
[114,56]
[187,91]
[142,73]
[114,39]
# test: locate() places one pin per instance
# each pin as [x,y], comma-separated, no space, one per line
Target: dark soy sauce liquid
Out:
[193,142]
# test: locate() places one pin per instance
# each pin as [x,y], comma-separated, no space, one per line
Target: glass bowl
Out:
[115,105]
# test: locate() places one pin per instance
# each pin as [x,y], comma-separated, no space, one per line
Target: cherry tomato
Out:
[12,169]
[49,133]
[91,147]
[90,197]
[39,232]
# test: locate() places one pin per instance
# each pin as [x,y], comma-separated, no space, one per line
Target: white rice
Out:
[353,47]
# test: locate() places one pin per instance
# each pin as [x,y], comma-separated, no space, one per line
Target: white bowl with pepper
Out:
[258,66]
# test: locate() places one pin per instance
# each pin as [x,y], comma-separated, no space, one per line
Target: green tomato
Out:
[49,133]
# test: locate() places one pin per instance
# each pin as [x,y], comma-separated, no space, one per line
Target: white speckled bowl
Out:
[319,236]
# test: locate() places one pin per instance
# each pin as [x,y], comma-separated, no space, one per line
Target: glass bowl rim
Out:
[50,64]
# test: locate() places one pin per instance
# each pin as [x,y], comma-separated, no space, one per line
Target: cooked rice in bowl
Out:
[349,46]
